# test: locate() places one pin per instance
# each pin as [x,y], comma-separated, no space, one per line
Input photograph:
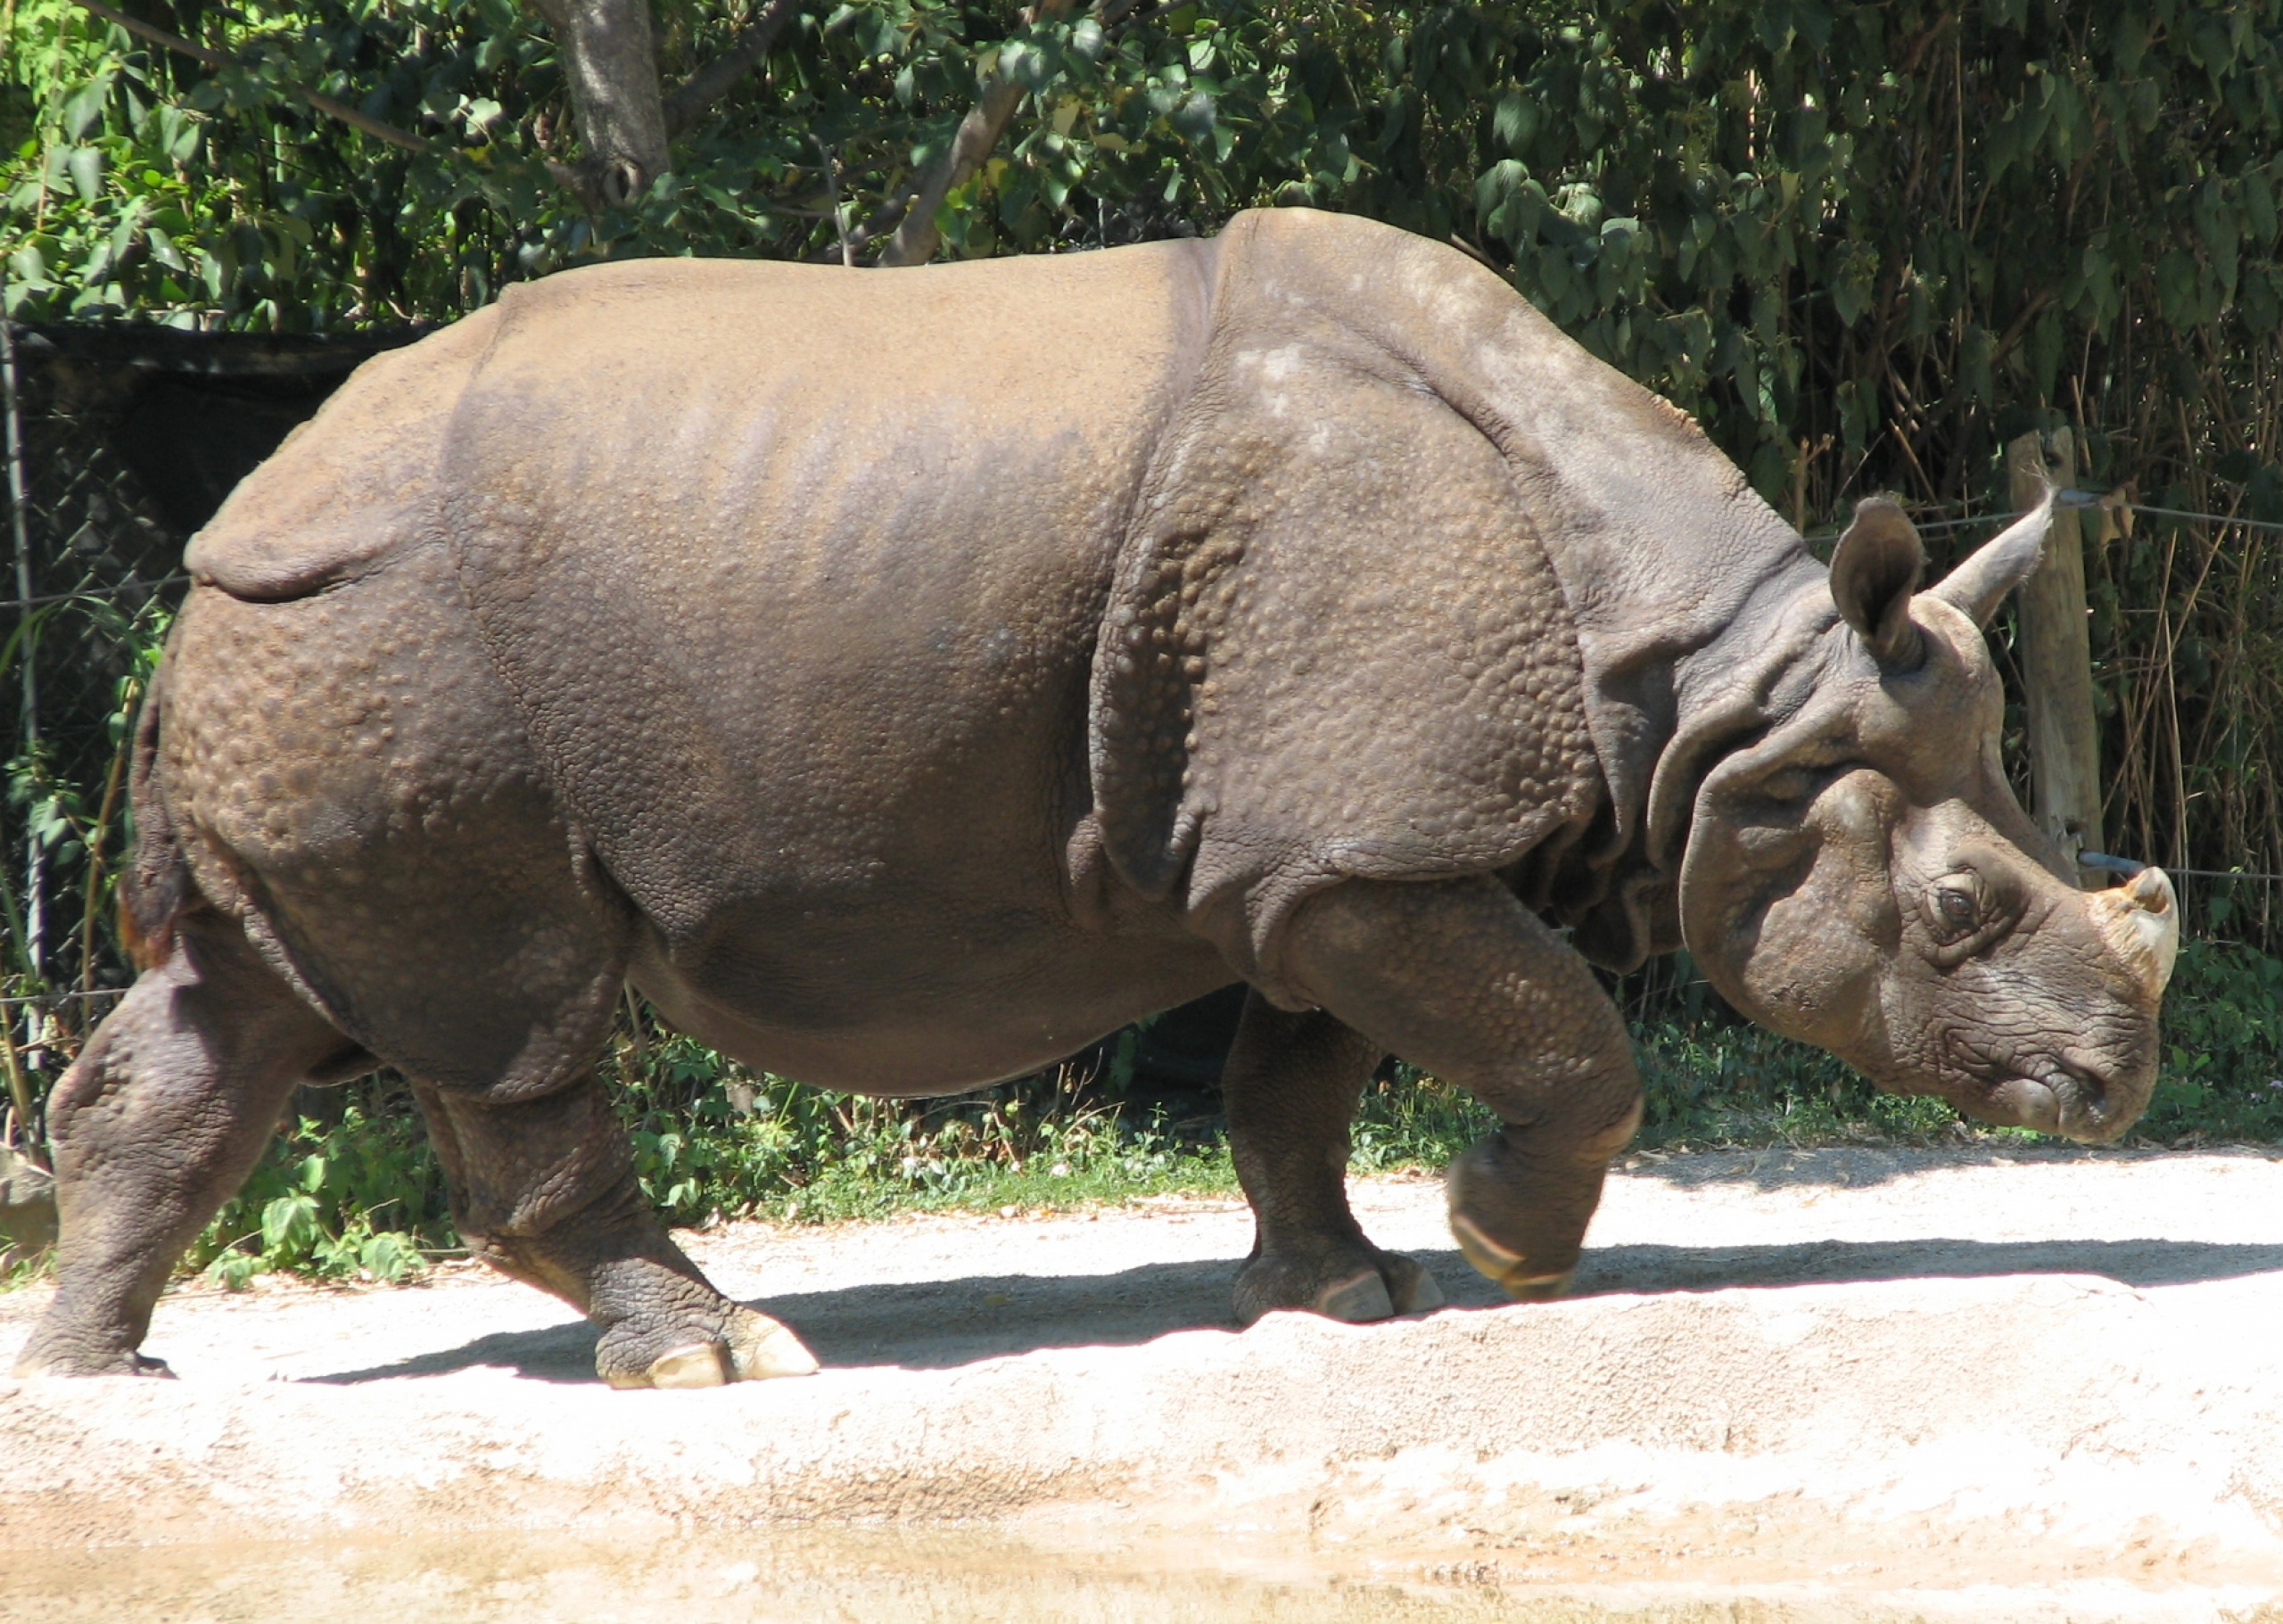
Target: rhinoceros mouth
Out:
[2052,1094]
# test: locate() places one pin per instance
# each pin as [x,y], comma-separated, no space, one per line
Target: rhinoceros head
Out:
[1860,876]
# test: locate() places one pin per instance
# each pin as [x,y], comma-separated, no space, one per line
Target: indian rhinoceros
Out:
[903,679]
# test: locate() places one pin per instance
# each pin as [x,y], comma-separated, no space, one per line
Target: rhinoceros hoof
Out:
[756,1349]
[1509,1272]
[760,1348]
[1357,1300]
[33,1367]
[1391,1285]
[694,1364]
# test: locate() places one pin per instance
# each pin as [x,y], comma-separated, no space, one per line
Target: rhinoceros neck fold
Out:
[1677,671]
[1677,576]
[1673,568]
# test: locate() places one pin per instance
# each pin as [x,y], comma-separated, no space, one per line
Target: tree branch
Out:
[324,105]
[710,83]
[912,214]
[610,62]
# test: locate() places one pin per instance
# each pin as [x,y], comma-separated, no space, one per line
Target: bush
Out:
[351,1189]
[348,1190]
[2222,1076]
[713,1139]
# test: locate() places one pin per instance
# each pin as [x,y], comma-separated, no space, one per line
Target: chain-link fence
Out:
[121,443]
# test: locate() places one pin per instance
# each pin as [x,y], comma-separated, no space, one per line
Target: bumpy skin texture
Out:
[1296,607]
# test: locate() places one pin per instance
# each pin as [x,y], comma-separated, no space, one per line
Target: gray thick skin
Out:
[903,679]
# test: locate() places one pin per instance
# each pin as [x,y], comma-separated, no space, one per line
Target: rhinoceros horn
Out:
[1980,584]
[2140,922]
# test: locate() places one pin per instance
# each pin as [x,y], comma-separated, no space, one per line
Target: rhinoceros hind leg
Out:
[155,1126]
[1290,1085]
[544,1190]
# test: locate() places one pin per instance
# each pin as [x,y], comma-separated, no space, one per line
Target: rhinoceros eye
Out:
[1957,909]
[1967,911]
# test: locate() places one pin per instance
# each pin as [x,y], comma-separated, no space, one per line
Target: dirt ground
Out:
[1857,1383]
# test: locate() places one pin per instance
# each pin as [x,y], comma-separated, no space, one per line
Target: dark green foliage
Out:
[2222,1076]
[1865,243]
[348,1189]
[1859,240]
[713,1139]
[1712,1079]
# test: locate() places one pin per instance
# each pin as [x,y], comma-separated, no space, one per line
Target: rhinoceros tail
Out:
[156,885]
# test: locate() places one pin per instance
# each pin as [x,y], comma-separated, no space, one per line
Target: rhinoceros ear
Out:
[1874,573]
[1980,584]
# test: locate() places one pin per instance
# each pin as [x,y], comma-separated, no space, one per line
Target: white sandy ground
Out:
[1857,1384]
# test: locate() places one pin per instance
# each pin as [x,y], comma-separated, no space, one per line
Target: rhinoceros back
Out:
[794,572]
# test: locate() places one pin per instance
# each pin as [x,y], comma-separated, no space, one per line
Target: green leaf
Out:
[2259,208]
[83,110]
[234,1269]
[390,1256]
[85,167]
[290,1223]
[1515,122]
[1852,280]
[2176,288]
[1194,117]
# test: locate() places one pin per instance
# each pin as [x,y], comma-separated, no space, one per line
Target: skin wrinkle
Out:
[906,730]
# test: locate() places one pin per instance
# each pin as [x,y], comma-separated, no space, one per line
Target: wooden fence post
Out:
[2057,654]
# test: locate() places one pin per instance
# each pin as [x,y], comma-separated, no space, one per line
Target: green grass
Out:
[1711,1082]
[353,1191]
[357,1194]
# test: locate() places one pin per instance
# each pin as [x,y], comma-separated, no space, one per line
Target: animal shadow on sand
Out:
[940,1324]
[1863,1167]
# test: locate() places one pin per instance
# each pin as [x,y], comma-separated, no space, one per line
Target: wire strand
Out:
[122,589]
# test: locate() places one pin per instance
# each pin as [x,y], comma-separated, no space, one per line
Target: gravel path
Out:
[1844,1383]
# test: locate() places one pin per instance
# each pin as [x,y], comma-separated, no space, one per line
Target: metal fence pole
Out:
[19,502]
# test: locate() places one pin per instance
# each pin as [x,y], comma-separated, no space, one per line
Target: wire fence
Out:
[120,446]
[121,443]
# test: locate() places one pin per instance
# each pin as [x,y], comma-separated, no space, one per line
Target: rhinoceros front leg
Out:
[543,1189]
[1459,978]
[1290,1087]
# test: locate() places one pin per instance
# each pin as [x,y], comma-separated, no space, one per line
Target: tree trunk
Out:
[610,60]
[2057,656]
